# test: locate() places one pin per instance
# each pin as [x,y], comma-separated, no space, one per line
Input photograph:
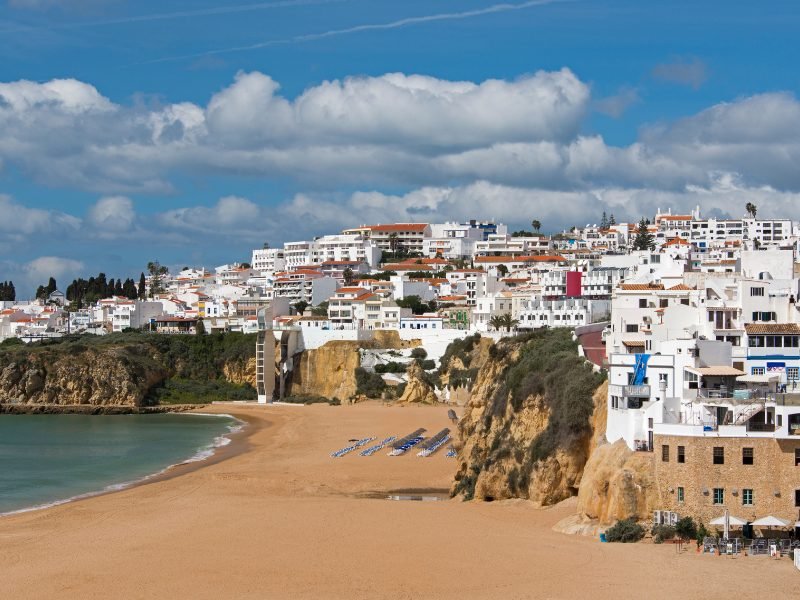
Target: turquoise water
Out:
[46,459]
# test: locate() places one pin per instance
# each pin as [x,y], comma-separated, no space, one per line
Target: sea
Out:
[51,459]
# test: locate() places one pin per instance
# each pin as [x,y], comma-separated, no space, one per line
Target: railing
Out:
[636,391]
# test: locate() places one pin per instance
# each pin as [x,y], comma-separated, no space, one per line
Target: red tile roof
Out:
[756,328]
[642,287]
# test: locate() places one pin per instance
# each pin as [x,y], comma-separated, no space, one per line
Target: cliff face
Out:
[418,390]
[109,377]
[526,430]
[127,369]
[240,372]
[327,371]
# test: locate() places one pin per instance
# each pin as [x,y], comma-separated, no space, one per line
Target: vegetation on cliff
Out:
[526,429]
[126,368]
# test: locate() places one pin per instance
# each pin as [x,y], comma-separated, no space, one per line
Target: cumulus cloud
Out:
[19,221]
[397,130]
[683,71]
[614,106]
[112,215]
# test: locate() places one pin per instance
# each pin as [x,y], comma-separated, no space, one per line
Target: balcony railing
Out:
[636,391]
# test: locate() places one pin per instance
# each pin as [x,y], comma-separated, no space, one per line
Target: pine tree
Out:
[612,220]
[142,291]
[604,221]
[644,240]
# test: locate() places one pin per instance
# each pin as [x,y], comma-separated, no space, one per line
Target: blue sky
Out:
[190,132]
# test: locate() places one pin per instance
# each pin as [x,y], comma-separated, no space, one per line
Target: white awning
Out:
[734,521]
[770,521]
[767,378]
[718,371]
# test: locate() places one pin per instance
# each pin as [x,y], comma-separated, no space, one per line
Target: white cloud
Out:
[614,106]
[112,215]
[19,221]
[683,71]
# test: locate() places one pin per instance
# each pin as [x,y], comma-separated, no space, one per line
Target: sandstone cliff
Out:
[526,430]
[129,369]
[109,377]
[327,371]
[418,390]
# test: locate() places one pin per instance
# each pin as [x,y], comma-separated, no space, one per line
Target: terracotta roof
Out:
[633,343]
[407,267]
[451,298]
[756,328]
[681,287]
[677,242]
[497,259]
[642,287]
[543,258]
[675,217]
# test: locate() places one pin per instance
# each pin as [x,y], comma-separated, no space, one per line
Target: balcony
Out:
[636,391]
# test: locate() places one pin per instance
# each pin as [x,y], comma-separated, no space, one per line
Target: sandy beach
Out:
[274,516]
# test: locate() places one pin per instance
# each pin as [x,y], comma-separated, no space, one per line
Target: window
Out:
[797,497]
[681,454]
[747,497]
[719,455]
[719,496]
[663,303]
[680,495]
[664,453]
[797,457]
[634,328]
[756,291]
[747,456]
[642,302]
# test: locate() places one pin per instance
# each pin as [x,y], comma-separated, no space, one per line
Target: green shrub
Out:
[420,353]
[369,384]
[662,532]
[311,399]
[427,365]
[686,528]
[625,531]
[12,341]
[187,391]
[391,367]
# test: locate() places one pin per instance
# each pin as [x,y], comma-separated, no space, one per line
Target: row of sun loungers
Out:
[356,446]
[404,440]
[373,449]
[433,444]
[407,446]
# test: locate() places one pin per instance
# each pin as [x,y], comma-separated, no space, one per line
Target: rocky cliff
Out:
[527,428]
[131,369]
[418,390]
[328,371]
[109,377]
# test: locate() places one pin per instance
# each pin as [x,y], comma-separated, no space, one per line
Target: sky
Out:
[192,132]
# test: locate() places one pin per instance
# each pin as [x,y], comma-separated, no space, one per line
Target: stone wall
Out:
[773,470]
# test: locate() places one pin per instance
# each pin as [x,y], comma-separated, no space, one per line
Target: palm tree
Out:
[536,224]
[504,320]
[751,209]
[348,276]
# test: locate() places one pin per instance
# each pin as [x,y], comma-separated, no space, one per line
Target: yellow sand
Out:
[281,519]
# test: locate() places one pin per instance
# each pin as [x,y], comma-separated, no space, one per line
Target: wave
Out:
[203,453]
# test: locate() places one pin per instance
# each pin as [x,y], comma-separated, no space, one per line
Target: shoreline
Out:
[8,408]
[274,516]
[236,444]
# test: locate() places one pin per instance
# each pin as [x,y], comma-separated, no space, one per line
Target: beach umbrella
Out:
[727,521]
[769,522]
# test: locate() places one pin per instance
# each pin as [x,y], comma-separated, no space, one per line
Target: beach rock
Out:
[617,484]
[418,390]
